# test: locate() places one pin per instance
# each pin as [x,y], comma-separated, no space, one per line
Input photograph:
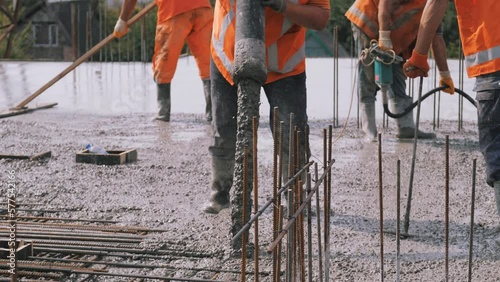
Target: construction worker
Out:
[178,21]
[394,23]
[481,46]
[285,28]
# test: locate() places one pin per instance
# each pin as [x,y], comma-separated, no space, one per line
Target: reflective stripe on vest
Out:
[273,56]
[372,25]
[482,57]
[219,44]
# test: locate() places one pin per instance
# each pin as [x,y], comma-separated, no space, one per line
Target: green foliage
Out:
[21,39]
[130,46]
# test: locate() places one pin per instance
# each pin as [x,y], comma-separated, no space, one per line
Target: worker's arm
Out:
[121,27]
[385,9]
[308,16]
[433,14]
[439,54]
[312,15]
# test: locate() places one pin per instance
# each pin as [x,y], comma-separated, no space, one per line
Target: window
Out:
[45,34]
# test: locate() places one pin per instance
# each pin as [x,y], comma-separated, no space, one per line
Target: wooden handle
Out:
[84,57]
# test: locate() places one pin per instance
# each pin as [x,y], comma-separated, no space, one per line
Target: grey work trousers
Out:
[488,116]
[288,94]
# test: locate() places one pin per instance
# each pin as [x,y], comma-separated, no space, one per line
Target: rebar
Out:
[290,238]
[447,208]
[139,265]
[281,208]
[328,205]
[290,222]
[256,199]
[243,215]
[406,225]
[22,235]
[326,216]
[61,219]
[398,218]
[275,189]
[471,232]
[336,76]
[309,209]
[381,207]
[318,225]
[134,251]
[269,202]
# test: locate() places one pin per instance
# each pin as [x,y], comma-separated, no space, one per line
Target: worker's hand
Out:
[446,80]
[277,5]
[416,66]
[121,28]
[384,40]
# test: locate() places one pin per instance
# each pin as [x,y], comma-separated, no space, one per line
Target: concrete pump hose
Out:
[425,96]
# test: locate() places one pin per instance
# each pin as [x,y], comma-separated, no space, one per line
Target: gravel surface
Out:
[169,184]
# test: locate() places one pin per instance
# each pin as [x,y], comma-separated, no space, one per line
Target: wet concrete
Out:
[121,88]
[169,184]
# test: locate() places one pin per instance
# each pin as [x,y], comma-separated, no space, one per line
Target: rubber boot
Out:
[163,99]
[222,180]
[368,123]
[405,124]
[208,100]
[496,187]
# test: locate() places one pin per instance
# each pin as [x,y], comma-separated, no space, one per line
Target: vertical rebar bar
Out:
[328,179]
[244,219]
[336,76]
[381,207]
[309,231]
[460,84]
[471,231]
[398,218]
[413,159]
[290,239]
[309,209]
[446,208]
[275,190]
[318,225]
[255,199]
[73,31]
[281,209]
[325,203]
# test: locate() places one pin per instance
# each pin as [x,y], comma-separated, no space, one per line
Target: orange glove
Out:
[384,40]
[121,28]
[446,81]
[416,66]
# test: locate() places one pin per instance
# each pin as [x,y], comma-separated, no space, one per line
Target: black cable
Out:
[426,95]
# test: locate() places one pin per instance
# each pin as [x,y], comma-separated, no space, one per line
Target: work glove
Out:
[446,80]
[384,40]
[277,5]
[416,66]
[121,28]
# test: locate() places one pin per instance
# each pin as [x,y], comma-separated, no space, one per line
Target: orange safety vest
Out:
[284,41]
[405,21]
[478,24]
[170,8]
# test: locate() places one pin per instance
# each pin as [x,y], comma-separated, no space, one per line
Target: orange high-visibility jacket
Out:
[405,21]
[478,24]
[284,41]
[170,8]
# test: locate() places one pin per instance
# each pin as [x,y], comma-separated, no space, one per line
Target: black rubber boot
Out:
[163,99]
[208,99]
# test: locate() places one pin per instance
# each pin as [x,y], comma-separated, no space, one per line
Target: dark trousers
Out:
[488,112]
[288,94]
